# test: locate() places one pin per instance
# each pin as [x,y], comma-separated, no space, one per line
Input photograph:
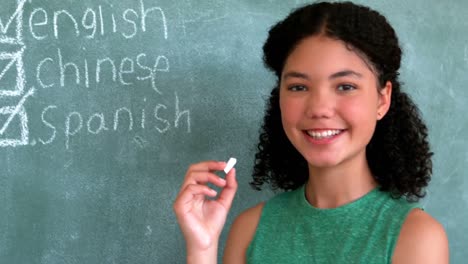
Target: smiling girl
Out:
[342,139]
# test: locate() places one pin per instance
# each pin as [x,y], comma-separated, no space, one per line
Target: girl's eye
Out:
[346,87]
[296,88]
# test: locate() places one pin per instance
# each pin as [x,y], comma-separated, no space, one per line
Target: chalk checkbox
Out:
[14,129]
[12,76]
[11,26]
[9,134]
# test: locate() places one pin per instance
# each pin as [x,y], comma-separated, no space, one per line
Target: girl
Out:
[342,139]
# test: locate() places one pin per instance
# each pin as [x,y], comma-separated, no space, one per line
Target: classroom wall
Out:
[104,104]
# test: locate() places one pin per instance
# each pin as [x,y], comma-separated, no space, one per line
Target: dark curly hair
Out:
[398,154]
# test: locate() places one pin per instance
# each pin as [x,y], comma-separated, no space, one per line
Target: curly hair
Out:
[398,153]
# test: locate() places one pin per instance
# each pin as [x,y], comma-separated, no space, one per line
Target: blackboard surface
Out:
[104,104]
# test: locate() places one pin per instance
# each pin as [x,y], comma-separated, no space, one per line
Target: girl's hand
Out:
[201,219]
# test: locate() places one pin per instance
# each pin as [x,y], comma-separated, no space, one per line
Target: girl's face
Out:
[330,102]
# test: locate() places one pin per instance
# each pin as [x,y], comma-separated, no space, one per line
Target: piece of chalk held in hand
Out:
[230,164]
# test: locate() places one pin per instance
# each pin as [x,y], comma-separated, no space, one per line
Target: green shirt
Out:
[363,231]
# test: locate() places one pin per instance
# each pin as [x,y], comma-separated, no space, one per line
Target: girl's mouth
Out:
[323,134]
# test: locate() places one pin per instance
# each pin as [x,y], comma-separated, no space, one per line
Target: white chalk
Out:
[230,164]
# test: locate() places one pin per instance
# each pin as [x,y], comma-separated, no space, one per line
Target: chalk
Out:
[230,164]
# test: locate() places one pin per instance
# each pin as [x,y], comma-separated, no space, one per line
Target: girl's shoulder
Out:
[422,239]
[241,234]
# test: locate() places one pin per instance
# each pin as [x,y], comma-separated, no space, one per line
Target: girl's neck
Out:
[335,186]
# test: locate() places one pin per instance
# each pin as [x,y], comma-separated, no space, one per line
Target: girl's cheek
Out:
[358,105]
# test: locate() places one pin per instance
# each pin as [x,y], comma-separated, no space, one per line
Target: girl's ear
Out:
[385,98]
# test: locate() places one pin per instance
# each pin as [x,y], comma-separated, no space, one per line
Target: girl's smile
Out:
[323,136]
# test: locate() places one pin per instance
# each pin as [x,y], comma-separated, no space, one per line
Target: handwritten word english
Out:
[92,22]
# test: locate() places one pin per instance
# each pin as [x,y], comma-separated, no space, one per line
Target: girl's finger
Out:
[229,191]
[203,177]
[188,193]
[210,165]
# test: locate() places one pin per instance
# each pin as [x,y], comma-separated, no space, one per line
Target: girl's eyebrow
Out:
[343,73]
[295,74]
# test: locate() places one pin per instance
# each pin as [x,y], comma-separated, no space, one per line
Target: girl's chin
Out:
[322,164]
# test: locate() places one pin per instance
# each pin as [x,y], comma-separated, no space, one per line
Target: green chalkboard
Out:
[104,104]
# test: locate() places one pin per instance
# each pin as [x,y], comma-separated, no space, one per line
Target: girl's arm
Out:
[422,240]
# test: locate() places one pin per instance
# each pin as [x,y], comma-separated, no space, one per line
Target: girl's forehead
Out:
[322,55]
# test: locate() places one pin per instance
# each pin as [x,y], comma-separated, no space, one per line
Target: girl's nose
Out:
[320,104]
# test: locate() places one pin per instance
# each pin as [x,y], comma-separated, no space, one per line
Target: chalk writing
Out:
[58,122]
[121,119]
[13,112]
[17,18]
[149,231]
[125,71]
[128,24]
[15,58]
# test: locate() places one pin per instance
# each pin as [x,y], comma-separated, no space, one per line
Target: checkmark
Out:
[16,109]
[15,88]
[18,14]
[13,111]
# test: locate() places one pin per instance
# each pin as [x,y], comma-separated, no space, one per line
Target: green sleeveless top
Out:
[291,230]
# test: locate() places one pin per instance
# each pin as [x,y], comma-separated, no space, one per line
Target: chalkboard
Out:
[104,104]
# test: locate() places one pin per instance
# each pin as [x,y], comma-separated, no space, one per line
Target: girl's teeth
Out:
[323,134]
